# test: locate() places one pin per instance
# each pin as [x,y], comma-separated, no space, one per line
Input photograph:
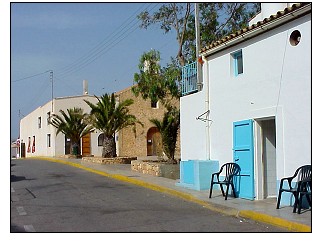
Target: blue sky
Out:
[98,42]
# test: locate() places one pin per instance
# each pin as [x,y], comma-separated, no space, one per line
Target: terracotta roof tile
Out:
[256,25]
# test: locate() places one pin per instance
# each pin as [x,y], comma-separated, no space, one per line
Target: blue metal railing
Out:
[189,79]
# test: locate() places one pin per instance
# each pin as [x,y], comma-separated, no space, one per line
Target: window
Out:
[295,37]
[237,62]
[28,146]
[154,104]
[33,148]
[48,117]
[100,139]
[49,140]
[39,122]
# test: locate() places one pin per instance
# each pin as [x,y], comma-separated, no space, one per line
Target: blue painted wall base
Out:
[196,174]
[287,198]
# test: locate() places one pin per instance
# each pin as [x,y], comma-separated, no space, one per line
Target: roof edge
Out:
[272,22]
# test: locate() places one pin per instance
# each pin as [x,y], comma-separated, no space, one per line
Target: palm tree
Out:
[168,129]
[110,116]
[73,125]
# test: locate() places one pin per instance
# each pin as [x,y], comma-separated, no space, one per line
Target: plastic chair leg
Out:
[232,185]
[296,202]
[227,191]
[222,190]
[299,203]
[210,190]
[300,200]
[279,199]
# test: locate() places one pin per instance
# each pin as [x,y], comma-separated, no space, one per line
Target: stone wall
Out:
[135,144]
[116,160]
[162,169]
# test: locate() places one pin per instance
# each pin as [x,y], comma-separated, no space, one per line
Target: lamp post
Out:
[197,36]
[51,78]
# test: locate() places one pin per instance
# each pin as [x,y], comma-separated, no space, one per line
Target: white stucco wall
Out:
[276,83]
[29,126]
[66,103]
[268,9]
[95,149]
[193,130]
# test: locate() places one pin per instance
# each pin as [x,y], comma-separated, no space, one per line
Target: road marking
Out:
[12,189]
[30,192]
[29,228]
[21,211]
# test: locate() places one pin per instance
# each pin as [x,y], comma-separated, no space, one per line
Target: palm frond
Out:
[73,123]
[110,116]
[168,129]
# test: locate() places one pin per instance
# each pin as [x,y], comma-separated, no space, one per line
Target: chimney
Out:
[85,87]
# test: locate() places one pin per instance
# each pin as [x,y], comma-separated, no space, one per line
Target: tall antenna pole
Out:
[197,36]
[51,78]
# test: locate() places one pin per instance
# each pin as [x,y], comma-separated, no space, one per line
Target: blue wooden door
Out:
[243,154]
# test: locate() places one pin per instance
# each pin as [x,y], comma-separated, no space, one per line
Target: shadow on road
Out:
[15,178]
[16,229]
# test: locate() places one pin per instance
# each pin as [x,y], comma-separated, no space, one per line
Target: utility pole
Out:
[51,78]
[197,36]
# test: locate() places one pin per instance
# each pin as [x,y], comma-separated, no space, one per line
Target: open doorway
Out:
[67,145]
[266,158]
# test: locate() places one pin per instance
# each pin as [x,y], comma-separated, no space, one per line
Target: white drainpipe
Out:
[207,106]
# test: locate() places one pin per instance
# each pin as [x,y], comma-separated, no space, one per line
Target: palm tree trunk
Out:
[109,147]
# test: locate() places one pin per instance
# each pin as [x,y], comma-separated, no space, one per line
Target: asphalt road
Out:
[52,197]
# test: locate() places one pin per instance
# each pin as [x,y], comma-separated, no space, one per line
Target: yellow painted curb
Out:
[186,196]
[264,218]
[292,226]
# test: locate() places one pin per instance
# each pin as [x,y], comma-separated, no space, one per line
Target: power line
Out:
[98,46]
[91,59]
[17,80]
[107,47]
[103,47]
[71,87]
[94,52]
[36,97]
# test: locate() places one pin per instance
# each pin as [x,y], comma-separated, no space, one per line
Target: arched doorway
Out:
[154,143]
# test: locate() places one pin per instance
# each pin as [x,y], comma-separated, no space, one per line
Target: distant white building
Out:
[255,105]
[38,137]
[14,150]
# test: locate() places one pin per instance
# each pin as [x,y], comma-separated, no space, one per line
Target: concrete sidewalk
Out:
[262,211]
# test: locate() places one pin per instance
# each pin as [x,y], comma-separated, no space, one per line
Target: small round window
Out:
[294,38]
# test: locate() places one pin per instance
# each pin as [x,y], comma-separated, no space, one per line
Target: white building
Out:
[255,105]
[39,137]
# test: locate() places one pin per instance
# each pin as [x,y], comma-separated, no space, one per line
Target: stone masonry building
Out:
[146,141]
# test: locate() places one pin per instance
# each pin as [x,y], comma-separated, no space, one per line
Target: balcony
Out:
[189,79]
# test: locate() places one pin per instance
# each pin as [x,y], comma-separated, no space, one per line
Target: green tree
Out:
[216,20]
[168,129]
[110,116]
[154,82]
[73,125]
[170,16]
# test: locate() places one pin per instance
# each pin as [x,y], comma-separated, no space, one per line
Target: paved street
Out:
[51,197]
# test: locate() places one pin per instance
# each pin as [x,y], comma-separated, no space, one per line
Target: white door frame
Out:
[259,160]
